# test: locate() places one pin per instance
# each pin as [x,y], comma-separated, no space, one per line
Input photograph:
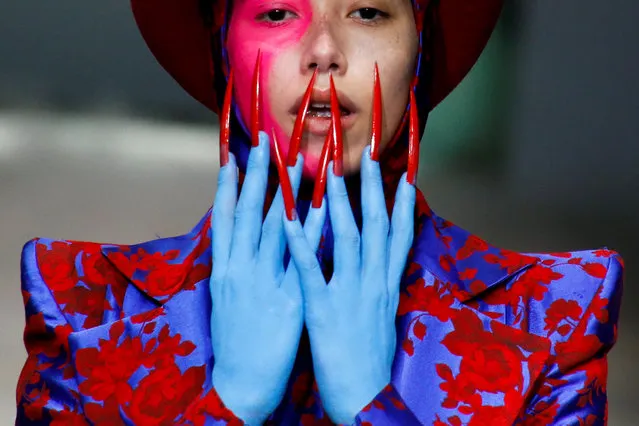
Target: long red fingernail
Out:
[320,178]
[376,121]
[298,130]
[413,141]
[256,102]
[338,142]
[285,183]
[225,122]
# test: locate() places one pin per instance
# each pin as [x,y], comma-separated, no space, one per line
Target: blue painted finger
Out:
[347,237]
[250,207]
[303,244]
[223,217]
[375,222]
[273,241]
[401,234]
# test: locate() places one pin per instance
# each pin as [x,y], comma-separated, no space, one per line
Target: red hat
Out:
[453,33]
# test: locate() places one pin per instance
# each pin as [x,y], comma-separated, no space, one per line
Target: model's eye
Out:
[276,16]
[368,14]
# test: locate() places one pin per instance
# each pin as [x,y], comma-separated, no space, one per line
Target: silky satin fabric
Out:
[119,335]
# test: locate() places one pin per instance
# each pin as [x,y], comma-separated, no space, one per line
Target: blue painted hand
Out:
[351,321]
[257,316]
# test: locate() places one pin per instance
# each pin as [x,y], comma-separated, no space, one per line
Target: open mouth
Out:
[323,110]
[320,106]
[319,115]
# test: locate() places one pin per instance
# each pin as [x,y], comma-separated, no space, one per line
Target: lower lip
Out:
[320,126]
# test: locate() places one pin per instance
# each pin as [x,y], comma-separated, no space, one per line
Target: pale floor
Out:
[128,181]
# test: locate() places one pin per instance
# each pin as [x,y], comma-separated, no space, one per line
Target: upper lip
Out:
[323,96]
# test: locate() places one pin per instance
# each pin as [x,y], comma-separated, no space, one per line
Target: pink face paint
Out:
[248,34]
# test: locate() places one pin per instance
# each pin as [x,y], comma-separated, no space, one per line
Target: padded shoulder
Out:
[561,291]
[75,276]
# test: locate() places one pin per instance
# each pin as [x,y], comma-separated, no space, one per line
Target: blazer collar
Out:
[466,263]
[162,268]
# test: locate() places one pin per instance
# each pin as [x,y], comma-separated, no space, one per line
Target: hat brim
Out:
[174,31]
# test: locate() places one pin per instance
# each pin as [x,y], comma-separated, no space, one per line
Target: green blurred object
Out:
[467,131]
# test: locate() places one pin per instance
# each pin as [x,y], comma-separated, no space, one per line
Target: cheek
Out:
[398,73]
[246,38]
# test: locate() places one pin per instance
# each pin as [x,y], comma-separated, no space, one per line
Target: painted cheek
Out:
[246,38]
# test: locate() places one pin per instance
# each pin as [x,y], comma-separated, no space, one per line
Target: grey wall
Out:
[80,54]
[575,139]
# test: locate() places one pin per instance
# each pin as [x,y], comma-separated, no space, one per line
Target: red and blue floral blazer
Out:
[119,335]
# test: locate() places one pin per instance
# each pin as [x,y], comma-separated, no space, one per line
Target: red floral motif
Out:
[468,274]
[38,400]
[67,418]
[105,414]
[573,351]
[489,415]
[52,344]
[408,347]
[538,278]
[96,269]
[57,265]
[457,390]
[492,368]
[301,387]
[209,405]
[164,280]
[473,245]
[109,367]
[419,330]
[561,310]
[509,260]
[163,350]
[597,270]
[446,261]
[164,394]
[432,299]
[88,300]
[603,253]
[491,361]
[531,284]
[164,275]
[595,384]
[599,308]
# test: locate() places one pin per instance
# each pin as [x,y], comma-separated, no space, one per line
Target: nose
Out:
[322,50]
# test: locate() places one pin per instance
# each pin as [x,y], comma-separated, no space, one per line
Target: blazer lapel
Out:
[469,364]
[162,337]
[162,268]
[466,263]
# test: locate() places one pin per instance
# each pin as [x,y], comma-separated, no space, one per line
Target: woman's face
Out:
[344,38]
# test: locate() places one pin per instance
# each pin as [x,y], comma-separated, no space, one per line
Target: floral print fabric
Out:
[119,335]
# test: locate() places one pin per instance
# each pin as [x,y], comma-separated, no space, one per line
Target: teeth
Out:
[323,113]
[320,106]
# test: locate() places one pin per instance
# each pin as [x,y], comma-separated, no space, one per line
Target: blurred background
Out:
[538,150]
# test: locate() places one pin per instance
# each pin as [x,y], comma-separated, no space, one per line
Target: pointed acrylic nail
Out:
[376,121]
[322,169]
[285,183]
[413,141]
[338,142]
[256,102]
[225,122]
[298,130]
